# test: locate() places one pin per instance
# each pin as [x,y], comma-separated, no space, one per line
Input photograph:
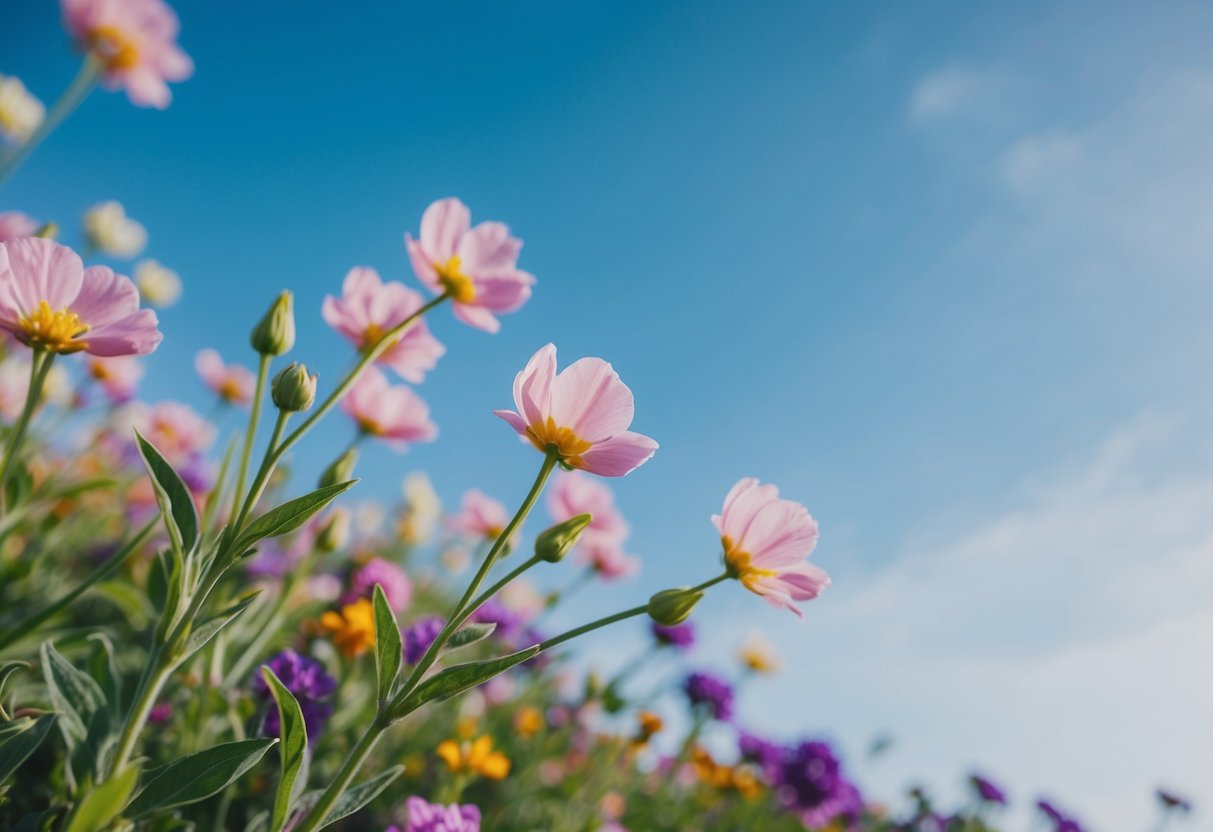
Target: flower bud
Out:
[275,334]
[335,533]
[293,389]
[340,470]
[673,606]
[554,543]
[48,231]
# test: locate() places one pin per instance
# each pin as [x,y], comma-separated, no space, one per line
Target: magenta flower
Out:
[49,301]
[583,414]
[368,308]
[434,817]
[767,542]
[393,413]
[574,493]
[395,582]
[477,267]
[14,225]
[135,41]
[233,383]
[479,515]
[118,376]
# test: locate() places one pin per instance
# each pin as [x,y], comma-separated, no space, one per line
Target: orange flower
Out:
[528,722]
[477,757]
[352,629]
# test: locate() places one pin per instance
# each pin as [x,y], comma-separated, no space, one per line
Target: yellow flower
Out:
[528,722]
[758,654]
[477,757]
[353,629]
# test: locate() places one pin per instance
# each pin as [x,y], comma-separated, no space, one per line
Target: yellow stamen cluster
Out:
[353,629]
[476,757]
[738,563]
[457,284]
[114,47]
[569,445]
[54,330]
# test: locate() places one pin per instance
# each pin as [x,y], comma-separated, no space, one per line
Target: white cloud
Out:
[945,92]
[1035,159]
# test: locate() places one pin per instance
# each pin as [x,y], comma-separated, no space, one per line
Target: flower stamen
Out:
[457,284]
[568,444]
[115,48]
[54,331]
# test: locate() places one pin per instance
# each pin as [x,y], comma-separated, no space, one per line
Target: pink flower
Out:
[393,413]
[767,542]
[477,267]
[583,413]
[49,301]
[479,516]
[234,383]
[118,377]
[176,429]
[135,40]
[14,225]
[574,493]
[368,308]
[608,559]
[395,582]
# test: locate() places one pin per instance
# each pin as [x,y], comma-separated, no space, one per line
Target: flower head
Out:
[758,654]
[681,636]
[808,779]
[987,790]
[419,636]
[159,285]
[307,681]
[14,225]
[608,560]
[49,301]
[118,376]
[369,308]
[135,41]
[20,113]
[422,508]
[395,582]
[479,516]
[574,493]
[233,383]
[110,230]
[767,542]
[393,413]
[434,817]
[477,267]
[352,629]
[582,414]
[477,757]
[178,431]
[710,692]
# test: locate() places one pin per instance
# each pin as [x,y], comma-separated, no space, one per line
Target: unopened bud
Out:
[48,231]
[340,470]
[275,334]
[335,533]
[554,543]
[673,606]
[293,389]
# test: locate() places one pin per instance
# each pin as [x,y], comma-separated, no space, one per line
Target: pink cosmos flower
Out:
[176,429]
[767,542]
[394,414]
[583,413]
[477,267]
[368,308]
[135,40]
[49,301]
[479,515]
[608,559]
[14,225]
[234,383]
[395,582]
[118,377]
[574,493]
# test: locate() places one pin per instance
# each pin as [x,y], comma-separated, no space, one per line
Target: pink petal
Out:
[515,421]
[105,297]
[618,455]
[478,317]
[423,267]
[589,398]
[136,334]
[505,292]
[487,249]
[40,270]
[442,226]
[533,386]
[210,367]
[782,533]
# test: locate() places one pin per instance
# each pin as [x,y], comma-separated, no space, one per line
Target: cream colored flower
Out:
[758,654]
[422,509]
[110,230]
[20,113]
[158,284]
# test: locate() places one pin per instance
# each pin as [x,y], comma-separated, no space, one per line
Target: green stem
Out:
[40,366]
[71,98]
[593,625]
[263,473]
[154,677]
[315,818]
[250,435]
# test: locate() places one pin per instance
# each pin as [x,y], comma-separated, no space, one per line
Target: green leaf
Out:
[460,677]
[21,740]
[388,649]
[290,515]
[207,630]
[470,634]
[73,693]
[104,802]
[103,667]
[355,798]
[174,498]
[198,776]
[8,669]
[35,821]
[293,748]
[20,484]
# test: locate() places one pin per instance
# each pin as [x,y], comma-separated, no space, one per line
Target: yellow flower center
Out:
[457,284]
[115,49]
[569,445]
[738,563]
[54,331]
[230,390]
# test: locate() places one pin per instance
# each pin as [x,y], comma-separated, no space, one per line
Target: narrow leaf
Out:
[461,677]
[104,802]
[290,515]
[17,744]
[174,498]
[198,776]
[8,669]
[471,633]
[388,649]
[207,630]
[293,748]
[357,797]
[73,693]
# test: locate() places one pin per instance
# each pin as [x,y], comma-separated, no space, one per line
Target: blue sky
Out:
[940,271]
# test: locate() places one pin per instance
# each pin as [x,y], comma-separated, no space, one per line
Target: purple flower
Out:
[434,817]
[493,611]
[1061,821]
[418,637]
[711,692]
[987,791]
[808,779]
[755,749]
[396,584]
[681,636]
[1173,802]
[160,713]
[307,681]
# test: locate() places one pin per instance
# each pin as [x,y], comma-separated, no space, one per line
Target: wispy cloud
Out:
[946,92]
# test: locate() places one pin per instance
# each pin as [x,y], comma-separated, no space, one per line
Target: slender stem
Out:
[40,365]
[593,625]
[250,435]
[315,818]
[263,473]
[711,582]
[71,98]
[154,677]
[495,588]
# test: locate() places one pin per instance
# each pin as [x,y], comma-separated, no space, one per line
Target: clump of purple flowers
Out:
[419,636]
[680,636]
[307,681]
[434,817]
[987,791]
[755,749]
[1061,821]
[712,693]
[808,779]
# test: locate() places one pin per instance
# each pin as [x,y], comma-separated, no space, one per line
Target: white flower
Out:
[20,112]
[422,509]
[158,285]
[110,230]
